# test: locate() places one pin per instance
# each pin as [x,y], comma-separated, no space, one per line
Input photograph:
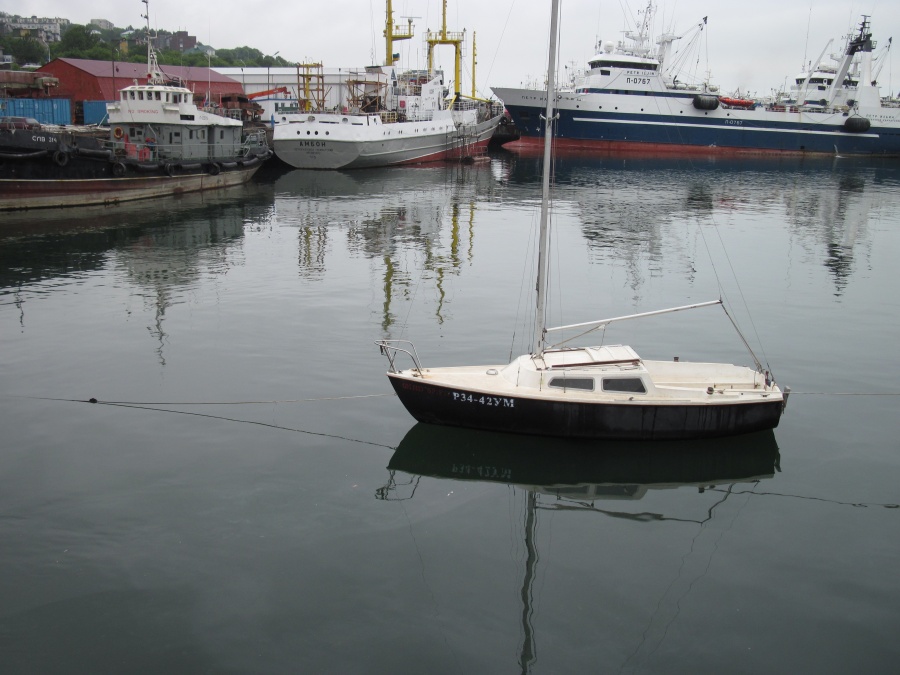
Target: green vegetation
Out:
[89,42]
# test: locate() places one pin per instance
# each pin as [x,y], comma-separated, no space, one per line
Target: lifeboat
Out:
[737,102]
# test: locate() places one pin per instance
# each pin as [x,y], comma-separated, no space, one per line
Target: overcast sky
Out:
[751,45]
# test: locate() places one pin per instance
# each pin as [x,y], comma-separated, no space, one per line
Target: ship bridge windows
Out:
[605,63]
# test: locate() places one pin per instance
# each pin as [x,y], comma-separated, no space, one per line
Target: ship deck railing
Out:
[157,152]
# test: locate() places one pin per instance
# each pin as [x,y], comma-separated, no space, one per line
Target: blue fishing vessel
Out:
[631,98]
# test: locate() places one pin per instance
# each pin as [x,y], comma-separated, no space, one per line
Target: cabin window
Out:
[190,134]
[201,134]
[131,95]
[630,385]
[221,133]
[604,72]
[583,383]
[157,96]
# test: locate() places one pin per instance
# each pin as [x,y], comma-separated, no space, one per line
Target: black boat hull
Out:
[42,169]
[438,404]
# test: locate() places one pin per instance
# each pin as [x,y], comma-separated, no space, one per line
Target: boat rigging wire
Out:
[723,295]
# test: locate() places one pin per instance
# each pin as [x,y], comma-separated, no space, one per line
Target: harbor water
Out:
[247,495]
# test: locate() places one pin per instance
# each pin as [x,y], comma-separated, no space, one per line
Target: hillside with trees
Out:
[90,42]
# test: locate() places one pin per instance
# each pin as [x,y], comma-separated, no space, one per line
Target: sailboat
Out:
[600,392]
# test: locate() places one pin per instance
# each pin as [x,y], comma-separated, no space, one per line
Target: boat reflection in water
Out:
[582,471]
[574,474]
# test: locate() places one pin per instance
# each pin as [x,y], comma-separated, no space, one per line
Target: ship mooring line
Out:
[845,393]
[233,419]
[149,406]
[860,505]
[144,403]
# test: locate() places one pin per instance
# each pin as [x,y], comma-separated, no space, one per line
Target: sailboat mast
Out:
[540,318]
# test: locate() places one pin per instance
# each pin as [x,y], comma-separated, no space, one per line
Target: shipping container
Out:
[95,112]
[44,110]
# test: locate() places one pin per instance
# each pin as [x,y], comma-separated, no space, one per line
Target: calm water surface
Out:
[248,496]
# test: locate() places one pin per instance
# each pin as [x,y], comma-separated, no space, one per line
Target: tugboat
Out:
[159,142]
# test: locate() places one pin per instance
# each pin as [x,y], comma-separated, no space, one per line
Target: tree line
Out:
[89,42]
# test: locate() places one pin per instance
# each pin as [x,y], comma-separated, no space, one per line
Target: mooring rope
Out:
[845,393]
[269,425]
[140,403]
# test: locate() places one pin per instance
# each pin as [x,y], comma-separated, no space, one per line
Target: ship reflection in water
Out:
[579,472]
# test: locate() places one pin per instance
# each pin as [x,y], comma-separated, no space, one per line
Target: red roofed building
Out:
[86,80]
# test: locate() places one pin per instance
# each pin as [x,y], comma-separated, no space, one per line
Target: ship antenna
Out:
[154,74]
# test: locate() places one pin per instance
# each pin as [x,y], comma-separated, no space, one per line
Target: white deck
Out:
[665,382]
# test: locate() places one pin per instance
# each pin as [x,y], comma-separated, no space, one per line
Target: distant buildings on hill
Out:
[43,29]
[48,30]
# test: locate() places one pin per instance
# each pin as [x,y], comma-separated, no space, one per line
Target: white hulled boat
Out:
[394,117]
[605,391]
